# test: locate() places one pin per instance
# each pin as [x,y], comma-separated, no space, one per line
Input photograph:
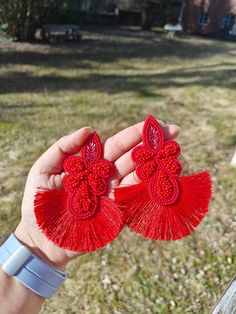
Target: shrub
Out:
[21,18]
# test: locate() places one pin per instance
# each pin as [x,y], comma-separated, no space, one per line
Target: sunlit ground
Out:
[109,81]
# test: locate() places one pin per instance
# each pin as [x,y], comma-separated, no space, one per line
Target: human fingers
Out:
[124,164]
[51,162]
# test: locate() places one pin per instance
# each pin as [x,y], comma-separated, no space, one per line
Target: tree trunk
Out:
[149,14]
[29,29]
[4,11]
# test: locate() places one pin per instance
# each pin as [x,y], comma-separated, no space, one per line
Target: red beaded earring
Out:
[164,205]
[81,217]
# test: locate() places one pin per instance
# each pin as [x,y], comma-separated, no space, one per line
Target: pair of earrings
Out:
[163,206]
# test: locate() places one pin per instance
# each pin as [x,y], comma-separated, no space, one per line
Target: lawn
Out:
[109,81]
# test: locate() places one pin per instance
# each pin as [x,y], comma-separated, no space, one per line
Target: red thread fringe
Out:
[171,222]
[66,231]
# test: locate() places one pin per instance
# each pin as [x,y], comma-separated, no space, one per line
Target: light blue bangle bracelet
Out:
[37,275]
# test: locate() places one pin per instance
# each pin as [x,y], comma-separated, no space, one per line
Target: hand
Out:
[48,172]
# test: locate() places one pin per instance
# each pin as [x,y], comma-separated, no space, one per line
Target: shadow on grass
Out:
[143,84]
[108,46]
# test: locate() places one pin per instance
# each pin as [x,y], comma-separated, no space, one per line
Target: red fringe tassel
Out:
[158,222]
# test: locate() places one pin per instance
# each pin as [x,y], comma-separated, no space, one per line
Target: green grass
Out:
[109,81]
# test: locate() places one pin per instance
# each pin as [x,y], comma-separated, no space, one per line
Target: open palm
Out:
[48,172]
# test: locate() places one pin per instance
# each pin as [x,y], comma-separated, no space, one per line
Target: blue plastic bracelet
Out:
[37,275]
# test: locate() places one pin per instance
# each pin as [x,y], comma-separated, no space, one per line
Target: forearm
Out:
[15,298]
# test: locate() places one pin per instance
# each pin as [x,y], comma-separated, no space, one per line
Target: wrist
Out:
[34,246]
[16,298]
[19,262]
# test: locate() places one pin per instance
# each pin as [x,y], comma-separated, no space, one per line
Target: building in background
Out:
[213,17]
[111,12]
[208,17]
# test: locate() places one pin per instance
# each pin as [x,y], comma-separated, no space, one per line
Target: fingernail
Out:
[88,128]
[176,127]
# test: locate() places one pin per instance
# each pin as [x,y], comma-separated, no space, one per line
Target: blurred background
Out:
[107,64]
